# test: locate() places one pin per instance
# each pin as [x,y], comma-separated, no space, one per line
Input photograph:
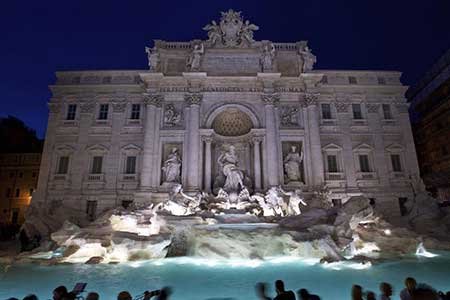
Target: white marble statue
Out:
[214,32]
[307,59]
[295,199]
[171,116]
[276,201]
[194,61]
[228,162]
[153,59]
[267,209]
[155,221]
[267,57]
[247,31]
[292,163]
[172,166]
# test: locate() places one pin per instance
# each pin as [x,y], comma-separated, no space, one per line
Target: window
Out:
[91,209]
[97,162]
[130,167]
[357,112]
[71,112]
[364,163]
[63,165]
[381,80]
[127,203]
[352,80]
[332,163]
[336,202]
[326,111]
[33,175]
[387,112]
[402,203]
[103,112]
[135,111]
[396,164]
[17,192]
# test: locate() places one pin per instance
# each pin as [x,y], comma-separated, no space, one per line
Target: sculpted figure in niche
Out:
[172,167]
[228,162]
[267,57]
[153,58]
[194,60]
[171,116]
[289,117]
[307,59]
[292,163]
[214,32]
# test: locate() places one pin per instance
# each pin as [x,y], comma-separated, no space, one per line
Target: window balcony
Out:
[134,122]
[129,177]
[359,122]
[366,175]
[95,177]
[60,177]
[70,123]
[334,176]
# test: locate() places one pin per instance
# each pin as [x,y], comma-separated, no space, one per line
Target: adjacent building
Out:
[18,181]
[430,106]
[117,137]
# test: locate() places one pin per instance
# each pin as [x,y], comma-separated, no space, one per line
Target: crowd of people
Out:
[411,291]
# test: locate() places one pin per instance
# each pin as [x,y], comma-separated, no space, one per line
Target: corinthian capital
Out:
[54,107]
[270,99]
[153,99]
[310,99]
[193,98]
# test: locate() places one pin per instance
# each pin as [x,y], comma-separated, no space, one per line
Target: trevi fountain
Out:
[230,161]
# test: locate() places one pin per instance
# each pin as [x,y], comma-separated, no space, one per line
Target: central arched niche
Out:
[232,122]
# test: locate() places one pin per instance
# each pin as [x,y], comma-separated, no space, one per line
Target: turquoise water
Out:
[199,279]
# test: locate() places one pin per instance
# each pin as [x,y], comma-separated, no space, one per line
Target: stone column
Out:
[152,102]
[271,144]
[411,163]
[314,138]
[193,100]
[47,153]
[208,164]
[379,155]
[257,161]
[344,119]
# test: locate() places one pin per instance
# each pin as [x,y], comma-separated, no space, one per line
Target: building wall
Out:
[146,138]
[18,181]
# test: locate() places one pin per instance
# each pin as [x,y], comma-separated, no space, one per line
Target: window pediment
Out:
[363,148]
[97,148]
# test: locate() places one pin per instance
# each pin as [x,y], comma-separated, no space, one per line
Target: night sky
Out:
[40,37]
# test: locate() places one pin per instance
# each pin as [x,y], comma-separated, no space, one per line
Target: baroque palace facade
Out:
[115,137]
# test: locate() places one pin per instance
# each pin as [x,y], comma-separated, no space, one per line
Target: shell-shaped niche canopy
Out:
[232,122]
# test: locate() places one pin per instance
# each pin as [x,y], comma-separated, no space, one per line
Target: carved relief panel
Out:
[290,116]
[173,117]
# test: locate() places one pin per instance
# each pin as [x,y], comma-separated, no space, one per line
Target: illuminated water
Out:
[198,279]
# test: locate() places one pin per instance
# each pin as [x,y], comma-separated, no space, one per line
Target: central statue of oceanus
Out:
[234,177]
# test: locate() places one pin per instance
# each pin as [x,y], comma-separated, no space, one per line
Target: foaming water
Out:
[200,278]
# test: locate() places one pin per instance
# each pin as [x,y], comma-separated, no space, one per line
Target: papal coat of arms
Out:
[232,31]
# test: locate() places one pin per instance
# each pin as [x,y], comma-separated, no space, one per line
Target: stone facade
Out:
[116,130]
[18,181]
[430,104]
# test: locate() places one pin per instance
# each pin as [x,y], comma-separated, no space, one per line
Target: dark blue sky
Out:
[39,37]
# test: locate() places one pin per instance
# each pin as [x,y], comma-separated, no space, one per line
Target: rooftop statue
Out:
[232,31]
